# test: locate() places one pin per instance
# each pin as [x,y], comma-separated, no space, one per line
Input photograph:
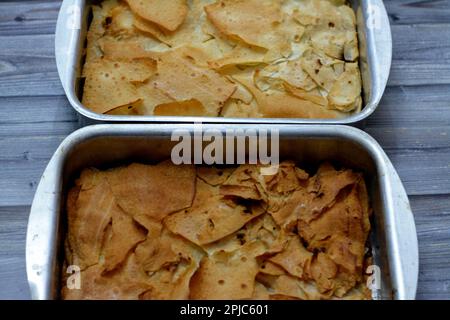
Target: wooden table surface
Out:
[412,124]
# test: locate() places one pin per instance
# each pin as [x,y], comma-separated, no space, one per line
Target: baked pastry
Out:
[225,58]
[185,232]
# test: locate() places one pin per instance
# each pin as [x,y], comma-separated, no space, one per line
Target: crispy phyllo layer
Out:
[185,232]
[224,58]
[167,14]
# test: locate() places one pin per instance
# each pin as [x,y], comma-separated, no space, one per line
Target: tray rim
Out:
[401,235]
[379,56]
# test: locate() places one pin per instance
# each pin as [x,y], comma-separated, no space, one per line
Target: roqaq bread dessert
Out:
[185,232]
[226,58]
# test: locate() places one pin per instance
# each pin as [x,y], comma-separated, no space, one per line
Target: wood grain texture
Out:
[432,215]
[413,107]
[421,42]
[13,225]
[28,67]
[412,124]
[28,17]
[18,120]
[22,163]
[417,11]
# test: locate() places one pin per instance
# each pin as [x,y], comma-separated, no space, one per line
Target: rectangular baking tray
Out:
[393,236]
[375,44]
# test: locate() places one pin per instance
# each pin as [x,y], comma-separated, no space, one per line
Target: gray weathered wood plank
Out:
[419,73]
[421,42]
[54,116]
[28,17]
[14,110]
[424,171]
[28,67]
[13,283]
[22,162]
[410,139]
[418,11]
[413,107]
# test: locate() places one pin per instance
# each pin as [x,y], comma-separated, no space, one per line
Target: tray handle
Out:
[378,31]
[42,234]
[403,241]
[68,29]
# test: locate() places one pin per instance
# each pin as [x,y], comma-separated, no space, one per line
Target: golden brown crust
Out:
[127,283]
[125,235]
[89,217]
[225,58]
[247,20]
[182,80]
[168,14]
[294,258]
[155,191]
[177,232]
[110,84]
[225,275]
[210,218]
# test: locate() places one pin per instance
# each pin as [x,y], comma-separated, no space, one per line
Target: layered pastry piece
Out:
[184,232]
[225,58]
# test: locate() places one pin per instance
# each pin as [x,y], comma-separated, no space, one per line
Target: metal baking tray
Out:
[393,237]
[375,43]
